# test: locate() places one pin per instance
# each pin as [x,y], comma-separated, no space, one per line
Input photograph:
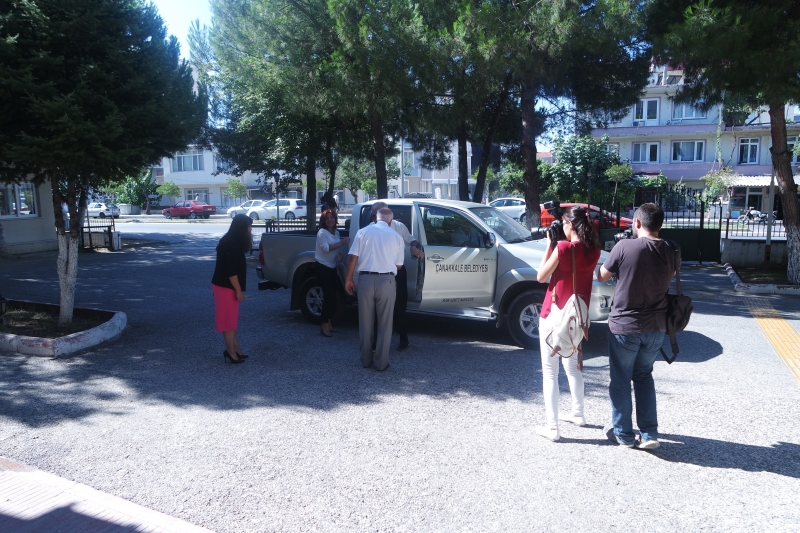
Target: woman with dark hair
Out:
[325,253]
[557,266]
[229,282]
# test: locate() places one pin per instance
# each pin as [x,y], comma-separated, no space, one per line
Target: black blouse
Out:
[231,262]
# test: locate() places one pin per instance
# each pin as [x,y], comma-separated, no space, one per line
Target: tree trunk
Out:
[530,168]
[480,180]
[331,165]
[463,170]
[311,188]
[380,154]
[67,259]
[781,161]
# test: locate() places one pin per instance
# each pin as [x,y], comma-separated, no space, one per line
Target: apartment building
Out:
[438,183]
[685,143]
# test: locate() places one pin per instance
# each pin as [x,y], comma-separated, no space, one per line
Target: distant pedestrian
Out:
[65,215]
[557,266]
[327,257]
[401,297]
[644,267]
[377,254]
[229,283]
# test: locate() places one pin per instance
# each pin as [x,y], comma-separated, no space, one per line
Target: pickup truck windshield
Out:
[503,225]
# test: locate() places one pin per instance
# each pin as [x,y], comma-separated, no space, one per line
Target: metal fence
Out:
[97,232]
[751,228]
[273,226]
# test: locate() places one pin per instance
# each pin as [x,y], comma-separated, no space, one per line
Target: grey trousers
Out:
[376,295]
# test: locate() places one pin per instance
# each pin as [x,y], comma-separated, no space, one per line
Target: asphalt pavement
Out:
[301,438]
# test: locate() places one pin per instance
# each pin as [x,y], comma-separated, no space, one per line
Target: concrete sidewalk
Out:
[35,501]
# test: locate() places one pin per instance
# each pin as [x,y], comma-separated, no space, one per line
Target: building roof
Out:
[756,181]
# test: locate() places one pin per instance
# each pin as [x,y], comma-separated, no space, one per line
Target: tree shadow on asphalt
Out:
[171,353]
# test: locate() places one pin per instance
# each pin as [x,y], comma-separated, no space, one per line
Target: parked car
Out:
[190,209]
[244,208]
[513,207]
[101,210]
[608,220]
[288,209]
[480,264]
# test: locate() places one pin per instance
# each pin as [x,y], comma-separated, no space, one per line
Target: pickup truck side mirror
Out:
[490,240]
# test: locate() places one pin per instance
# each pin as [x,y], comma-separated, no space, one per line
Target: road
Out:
[301,438]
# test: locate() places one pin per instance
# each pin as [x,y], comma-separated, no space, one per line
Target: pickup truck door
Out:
[460,269]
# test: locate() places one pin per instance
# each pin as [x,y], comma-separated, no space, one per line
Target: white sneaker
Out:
[649,444]
[548,433]
[579,421]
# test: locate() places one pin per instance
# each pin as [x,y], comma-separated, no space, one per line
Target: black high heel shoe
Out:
[230,360]
[241,355]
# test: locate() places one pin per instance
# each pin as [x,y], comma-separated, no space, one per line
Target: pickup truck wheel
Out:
[193,215]
[311,298]
[523,318]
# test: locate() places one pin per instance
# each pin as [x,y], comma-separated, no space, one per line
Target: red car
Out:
[609,220]
[190,208]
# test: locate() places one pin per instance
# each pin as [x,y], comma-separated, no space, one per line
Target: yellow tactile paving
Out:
[778,331]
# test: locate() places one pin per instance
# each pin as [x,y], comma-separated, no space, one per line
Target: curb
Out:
[49,489]
[67,344]
[760,288]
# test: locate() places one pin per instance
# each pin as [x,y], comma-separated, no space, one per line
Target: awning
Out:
[756,181]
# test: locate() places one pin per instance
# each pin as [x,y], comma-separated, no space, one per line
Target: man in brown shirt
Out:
[644,267]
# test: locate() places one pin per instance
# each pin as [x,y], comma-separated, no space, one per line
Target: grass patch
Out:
[763,275]
[44,324]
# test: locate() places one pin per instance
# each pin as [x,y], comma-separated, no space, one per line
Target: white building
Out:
[660,135]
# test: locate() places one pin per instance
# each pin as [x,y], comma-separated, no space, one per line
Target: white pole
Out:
[402,168]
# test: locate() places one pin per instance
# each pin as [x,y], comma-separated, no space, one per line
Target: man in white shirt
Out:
[401,298]
[377,250]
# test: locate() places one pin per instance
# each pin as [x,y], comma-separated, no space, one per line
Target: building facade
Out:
[27,220]
[685,143]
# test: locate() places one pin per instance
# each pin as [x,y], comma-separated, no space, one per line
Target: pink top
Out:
[561,280]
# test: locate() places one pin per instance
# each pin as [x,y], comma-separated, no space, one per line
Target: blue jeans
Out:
[631,358]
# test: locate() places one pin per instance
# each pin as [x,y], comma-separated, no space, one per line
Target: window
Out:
[18,200]
[792,141]
[687,150]
[612,148]
[188,161]
[645,152]
[201,195]
[646,110]
[748,151]
[448,228]
[681,111]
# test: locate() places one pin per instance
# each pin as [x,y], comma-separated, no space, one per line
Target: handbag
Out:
[571,323]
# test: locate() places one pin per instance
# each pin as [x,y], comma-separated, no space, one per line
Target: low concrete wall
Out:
[749,253]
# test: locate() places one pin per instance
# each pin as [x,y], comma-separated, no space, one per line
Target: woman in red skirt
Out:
[229,283]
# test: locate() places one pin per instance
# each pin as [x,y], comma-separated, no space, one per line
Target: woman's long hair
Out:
[239,232]
[326,213]
[584,228]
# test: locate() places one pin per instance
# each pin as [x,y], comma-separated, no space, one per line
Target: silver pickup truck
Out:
[480,264]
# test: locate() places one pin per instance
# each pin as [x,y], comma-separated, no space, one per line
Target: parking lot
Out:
[301,438]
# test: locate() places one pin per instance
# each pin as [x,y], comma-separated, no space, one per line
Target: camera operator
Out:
[574,231]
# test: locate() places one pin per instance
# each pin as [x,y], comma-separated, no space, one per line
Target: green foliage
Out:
[236,188]
[169,188]
[510,179]
[93,91]
[353,174]
[619,173]
[581,163]
[136,189]
[653,182]
[718,183]
[370,187]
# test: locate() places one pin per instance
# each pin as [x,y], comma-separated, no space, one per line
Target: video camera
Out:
[626,234]
[554,231]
